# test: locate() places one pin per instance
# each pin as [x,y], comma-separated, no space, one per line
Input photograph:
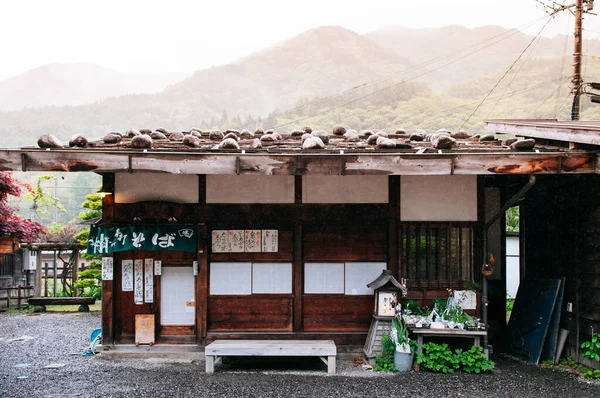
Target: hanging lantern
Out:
[488,267]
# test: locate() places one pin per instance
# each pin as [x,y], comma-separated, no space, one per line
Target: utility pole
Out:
[576,82]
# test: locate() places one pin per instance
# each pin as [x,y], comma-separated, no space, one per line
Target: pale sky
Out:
[183,36]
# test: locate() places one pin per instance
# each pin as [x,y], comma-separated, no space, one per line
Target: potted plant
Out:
[404,353]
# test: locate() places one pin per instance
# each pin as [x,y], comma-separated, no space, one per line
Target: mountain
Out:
[492,47]
[74,84]
[361,81]
[319,62]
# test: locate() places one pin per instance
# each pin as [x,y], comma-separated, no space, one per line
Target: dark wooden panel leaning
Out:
[337,312]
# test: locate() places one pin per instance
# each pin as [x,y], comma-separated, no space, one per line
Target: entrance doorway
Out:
[177,302]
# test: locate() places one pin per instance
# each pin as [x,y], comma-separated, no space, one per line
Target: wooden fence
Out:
[18,294]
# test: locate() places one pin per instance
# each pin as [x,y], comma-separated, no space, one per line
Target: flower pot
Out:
[403,361]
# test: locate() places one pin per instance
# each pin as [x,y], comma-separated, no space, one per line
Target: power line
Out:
[509,69]
[518,71]
[508,34]
[386,88]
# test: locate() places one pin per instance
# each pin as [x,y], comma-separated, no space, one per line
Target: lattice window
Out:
[437,253]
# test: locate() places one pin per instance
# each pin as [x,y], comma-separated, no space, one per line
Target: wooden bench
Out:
[83,302]
[324,349]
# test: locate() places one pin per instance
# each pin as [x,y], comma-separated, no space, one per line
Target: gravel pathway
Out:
[59,338]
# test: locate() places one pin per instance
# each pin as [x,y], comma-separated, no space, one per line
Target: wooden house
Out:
[262,237]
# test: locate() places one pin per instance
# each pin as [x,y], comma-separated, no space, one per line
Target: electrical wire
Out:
[508,70]
[518,70]
[388,87]
[418,66]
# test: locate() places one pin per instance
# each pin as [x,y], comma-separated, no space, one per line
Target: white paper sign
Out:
[252,240]
[220,242]
[148,281]
[270,239]
[195,268]
[158,267]
[107,268]
[138,283]
[467,299]
[127,275]
[236,239]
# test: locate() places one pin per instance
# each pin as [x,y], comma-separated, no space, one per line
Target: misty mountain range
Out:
[82,98]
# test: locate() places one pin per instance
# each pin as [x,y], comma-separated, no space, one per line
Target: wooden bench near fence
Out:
[84,302]
[324,349]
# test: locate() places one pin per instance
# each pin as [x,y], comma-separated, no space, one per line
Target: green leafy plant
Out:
[474,361]
[591,349]
[438,358]
[385,362]
[412,307]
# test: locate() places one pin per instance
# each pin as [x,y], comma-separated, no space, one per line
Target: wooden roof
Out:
[286,156]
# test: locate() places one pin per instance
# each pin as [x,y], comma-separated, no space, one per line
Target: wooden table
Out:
[470,334]
[324,349]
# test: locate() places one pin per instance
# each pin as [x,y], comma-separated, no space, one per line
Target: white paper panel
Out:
[270,240]
[236,240]
[157,267]
[148,281]
[324,278]
[252,240]
[438,198]
[107,268]
[220,241]
[230,278]
[272,278]
[177,288]
[127,275]
[358,275]
[140,187]
[138,293]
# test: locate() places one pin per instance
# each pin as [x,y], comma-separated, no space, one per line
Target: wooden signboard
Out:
[144,329]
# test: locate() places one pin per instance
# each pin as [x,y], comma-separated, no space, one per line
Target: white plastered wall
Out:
[249,189]
[438,198]
[140,187]
[345,189]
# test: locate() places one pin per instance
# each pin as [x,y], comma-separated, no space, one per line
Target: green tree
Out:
[90,279]
[512,219]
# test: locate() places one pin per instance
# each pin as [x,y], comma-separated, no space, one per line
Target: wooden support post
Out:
[108,309]
[19,297]
[393,223]
[75,271]
[37,290]
[8,298]
[202,285]
[298,278]
[54,274]
[45,280]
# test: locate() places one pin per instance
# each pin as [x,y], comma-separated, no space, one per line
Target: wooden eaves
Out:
[580,132]
[474,162]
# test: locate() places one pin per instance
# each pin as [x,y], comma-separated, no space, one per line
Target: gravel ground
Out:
[59,338]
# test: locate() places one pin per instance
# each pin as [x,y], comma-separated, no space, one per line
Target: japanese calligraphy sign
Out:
[104,240]
[249,241]
[158,267]
[236,239]
[220,242]
[107,268]
[148,280]
[127,275]
[138,282]
[270,238]
[252,240]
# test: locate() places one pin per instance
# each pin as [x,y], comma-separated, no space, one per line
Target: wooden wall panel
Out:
[333,246]
[337,313]
[249,313]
